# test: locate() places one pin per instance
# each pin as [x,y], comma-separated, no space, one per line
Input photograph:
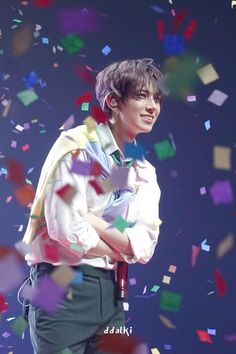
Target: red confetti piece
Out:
[3,304]
[15,172]
[178,19]
[221,287]
[43,3]
[96,169]
[86,97]
[25,147]
[66,193]
[190,29]
[160,29]
[204,336]
[96,186]
[50,252]
[25,194]
[84,75]
[98,114]
[117,343]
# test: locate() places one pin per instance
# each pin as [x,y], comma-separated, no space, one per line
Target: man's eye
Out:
[142,95]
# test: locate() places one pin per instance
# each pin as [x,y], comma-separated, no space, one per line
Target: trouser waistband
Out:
[84,268]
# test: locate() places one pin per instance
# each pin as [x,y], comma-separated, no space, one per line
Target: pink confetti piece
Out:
[25,147]
[195,252]
[9,199]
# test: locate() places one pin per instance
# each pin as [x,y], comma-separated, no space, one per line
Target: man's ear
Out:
[112,101]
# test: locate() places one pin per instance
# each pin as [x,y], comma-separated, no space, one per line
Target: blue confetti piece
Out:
[30,170]
[30,80]
[78,279]
[157,9]
[137,152]
[106,50]
[45,40]
[207,125]
[174,44]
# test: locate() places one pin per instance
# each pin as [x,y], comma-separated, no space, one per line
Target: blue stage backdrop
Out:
[183,300]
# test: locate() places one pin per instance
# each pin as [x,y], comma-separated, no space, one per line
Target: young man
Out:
[128,90]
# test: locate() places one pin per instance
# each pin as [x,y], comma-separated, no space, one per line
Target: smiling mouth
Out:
[147,118]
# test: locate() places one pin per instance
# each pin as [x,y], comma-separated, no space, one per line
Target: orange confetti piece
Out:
[25,194]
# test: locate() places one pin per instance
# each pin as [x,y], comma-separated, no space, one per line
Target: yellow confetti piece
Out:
[21,40]
[155,351]
[63,275]
[166,322]
[207,74]
[90,123]
[166,279]
[222,157]
[225,246]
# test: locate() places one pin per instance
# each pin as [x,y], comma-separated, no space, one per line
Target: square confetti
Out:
[207,74]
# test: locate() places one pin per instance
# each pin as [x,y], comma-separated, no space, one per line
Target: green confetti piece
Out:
[19,325]
[170,301]
[65,351]
[1,51]
[120,223]
[164,149]
[76,247]
[85,106]
[72,43]
[155,288]
[16,20]
[27,97]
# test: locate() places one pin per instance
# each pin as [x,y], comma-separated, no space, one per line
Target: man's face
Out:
[138,113]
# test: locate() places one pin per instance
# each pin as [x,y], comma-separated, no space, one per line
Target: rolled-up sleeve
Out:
[144,212]
[65,223]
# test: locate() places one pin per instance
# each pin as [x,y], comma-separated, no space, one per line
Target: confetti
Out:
[170,301]
[166,279]
[166,322]
[203,336]
[207,124]
[195,252]
[106,50]
[221,287]
[66,193]
[222,157]
[155,288]
[27,97]
[221,192]
[172,268]
[25,194]
[164,150]
[72,43]
[207,74]
[86,97]
[217,97]
[204,246]
[21,40]
[68,123]
[48,294]
[120,224]
[225,246]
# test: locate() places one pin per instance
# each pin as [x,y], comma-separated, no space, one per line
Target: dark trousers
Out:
[81,317]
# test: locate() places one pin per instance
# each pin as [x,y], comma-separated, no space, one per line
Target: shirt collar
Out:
[109,144]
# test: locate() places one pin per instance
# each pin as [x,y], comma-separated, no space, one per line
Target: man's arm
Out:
[112,236]
[103,249]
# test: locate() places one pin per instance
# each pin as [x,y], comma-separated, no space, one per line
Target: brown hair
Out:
[126,78]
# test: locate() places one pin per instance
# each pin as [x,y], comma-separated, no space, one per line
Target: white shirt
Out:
[66,226]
